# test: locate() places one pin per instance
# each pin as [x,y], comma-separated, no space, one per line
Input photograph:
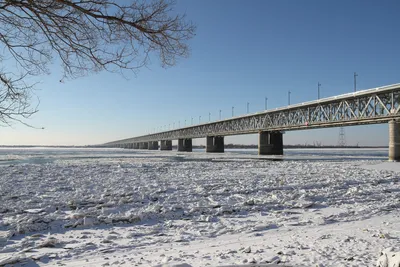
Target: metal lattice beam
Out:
[378,105]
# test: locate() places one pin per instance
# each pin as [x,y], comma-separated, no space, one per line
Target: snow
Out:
[126,208]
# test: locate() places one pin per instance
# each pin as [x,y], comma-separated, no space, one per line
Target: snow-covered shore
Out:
[156,208]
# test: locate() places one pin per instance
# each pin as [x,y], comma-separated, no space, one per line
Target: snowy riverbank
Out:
[155,208]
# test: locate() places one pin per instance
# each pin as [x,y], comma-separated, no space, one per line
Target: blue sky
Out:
[243,51]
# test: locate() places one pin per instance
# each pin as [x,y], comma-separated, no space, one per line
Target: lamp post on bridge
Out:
[233,108]
[289,98]
[192,120]
[319,86]
[355,81]
[266,103]
[209,116]
[220,114]
[247,107]
[185,123]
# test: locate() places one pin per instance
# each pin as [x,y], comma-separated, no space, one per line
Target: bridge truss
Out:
[378,105]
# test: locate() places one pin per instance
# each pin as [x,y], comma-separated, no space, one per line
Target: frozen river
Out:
[48,155]
[331,207]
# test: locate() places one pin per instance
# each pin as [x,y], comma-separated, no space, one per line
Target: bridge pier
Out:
[153,145]
[185,145]
[394,140]
[215,144]
[166,145]
[270,143]
[143,145]
[135,145]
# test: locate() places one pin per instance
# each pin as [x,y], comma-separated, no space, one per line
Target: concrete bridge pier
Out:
[185,145]
[394,140]
[166,145]
[270,143]
[215,144]
[153,145]
[143,145]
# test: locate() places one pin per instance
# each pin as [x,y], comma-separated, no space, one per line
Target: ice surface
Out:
[158,208]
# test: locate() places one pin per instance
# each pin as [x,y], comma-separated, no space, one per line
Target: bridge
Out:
[372,106]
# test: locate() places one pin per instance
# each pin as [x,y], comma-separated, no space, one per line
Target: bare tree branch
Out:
[86,36]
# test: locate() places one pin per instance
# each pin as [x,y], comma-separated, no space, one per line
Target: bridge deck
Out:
[377,105]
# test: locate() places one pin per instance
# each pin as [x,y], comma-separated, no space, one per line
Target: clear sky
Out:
[243,51]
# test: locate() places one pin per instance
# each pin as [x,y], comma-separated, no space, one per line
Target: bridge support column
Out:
[185,145]
[143,145]
[394,140]
[153,145]
[215,144]
[270,143]
[135,145]
[166,145]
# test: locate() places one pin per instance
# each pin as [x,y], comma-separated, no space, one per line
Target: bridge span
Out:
[372,106]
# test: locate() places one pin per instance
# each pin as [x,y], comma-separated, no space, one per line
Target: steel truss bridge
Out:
[377,105]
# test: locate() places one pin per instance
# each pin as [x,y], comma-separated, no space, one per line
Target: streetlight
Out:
[220,114]
[185,122]
[247,107]
[266,103]
[232,110]
[355,81]
[179,124]
[319,86]
[192,120]
[209,116]
[289,97]
[199,119]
